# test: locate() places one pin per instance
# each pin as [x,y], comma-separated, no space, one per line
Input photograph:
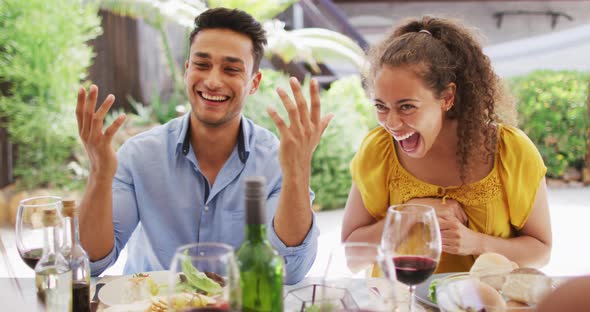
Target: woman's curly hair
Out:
[447,52]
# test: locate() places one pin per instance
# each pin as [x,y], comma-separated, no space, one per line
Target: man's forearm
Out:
[293,218]
[96,218]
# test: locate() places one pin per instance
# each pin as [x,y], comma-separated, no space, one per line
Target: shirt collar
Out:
[184,139]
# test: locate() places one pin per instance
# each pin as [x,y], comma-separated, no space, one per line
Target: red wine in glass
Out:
[412,270]
[31,257]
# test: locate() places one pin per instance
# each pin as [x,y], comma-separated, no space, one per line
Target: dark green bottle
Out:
[261,267]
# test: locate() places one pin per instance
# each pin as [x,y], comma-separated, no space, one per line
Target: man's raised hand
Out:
[300,138]
[97,142]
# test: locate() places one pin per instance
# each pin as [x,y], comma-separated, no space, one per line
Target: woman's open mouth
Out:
[409,142]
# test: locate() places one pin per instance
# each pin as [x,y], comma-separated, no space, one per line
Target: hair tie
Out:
[425,31]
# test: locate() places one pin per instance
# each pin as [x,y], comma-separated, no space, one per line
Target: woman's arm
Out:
[532,247]
[358,225]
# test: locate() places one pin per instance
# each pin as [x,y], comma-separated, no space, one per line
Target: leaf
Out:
[312,45]
[157,12]
[259,9]
[197,279]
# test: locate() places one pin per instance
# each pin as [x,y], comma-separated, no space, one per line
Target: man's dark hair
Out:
[235,20]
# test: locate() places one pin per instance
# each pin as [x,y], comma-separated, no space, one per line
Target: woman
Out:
[441,143]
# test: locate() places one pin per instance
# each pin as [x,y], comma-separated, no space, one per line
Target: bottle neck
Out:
[51,241]
[256,232]
[76,237]
[68,234]
[71,234]
[255,209]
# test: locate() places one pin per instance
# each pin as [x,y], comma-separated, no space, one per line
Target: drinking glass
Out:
[358,277]
[411,234]
[204,277]
[29,226]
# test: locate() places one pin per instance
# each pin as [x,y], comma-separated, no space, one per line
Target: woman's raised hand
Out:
[97,142]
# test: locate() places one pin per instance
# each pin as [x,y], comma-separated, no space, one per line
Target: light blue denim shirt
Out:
[162,200]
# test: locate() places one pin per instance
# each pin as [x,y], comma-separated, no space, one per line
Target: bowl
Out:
[317,297]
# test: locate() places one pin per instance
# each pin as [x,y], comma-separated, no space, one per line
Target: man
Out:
[182,182]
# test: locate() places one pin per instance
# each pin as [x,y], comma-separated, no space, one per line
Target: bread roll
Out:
[516,304]
[491,267]
[527,271]
[490,297]
[526,288]
[470,295]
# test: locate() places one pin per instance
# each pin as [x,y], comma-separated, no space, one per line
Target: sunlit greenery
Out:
[310,45]
[553,113]
[354,116]
[44,55]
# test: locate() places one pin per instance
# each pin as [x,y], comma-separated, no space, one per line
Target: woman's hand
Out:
[450,205]
[456,238]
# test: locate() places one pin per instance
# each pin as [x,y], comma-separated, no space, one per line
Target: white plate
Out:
[421,291]
[140,306]
[113,292]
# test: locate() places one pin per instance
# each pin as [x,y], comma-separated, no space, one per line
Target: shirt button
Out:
[206,208]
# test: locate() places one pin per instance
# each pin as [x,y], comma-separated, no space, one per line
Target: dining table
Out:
[19,294]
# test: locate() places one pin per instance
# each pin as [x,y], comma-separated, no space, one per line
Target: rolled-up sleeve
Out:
[298,259]
[99,266]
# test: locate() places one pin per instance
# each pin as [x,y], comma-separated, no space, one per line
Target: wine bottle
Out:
[77,258]
[53,276]
[261,267]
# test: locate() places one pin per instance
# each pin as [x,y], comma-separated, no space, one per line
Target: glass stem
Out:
[411,301]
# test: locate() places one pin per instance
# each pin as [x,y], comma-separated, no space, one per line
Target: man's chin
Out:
[211,121]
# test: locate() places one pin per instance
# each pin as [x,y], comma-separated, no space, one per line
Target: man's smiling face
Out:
[218,76]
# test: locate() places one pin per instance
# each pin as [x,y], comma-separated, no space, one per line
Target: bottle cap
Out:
[69,207]
[255,200]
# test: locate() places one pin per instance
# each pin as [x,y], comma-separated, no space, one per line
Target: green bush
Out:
[354,117]
[552,112]
[43,57]
[346,98]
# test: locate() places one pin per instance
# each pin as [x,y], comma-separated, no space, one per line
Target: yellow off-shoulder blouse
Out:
[497,205]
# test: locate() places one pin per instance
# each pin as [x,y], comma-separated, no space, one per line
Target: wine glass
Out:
[29,226]
[358,278]
[411,233]
[204,277]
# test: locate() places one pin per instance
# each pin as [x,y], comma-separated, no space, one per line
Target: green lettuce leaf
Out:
[432,290]
[198,280]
